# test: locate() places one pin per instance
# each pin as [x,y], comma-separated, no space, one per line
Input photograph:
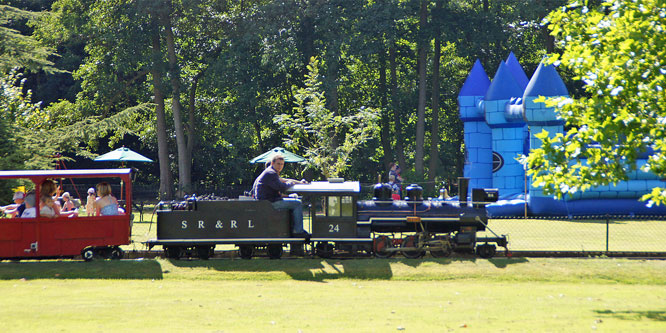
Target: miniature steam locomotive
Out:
[340,224]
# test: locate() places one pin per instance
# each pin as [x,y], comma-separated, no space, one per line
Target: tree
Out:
[19,149]
[617,49]
[315,128]
[19,50]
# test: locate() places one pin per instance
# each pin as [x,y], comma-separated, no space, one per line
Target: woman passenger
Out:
[106,204]
[47,206]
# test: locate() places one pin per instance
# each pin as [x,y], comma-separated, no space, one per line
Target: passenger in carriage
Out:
[269,186]
[30,210]
[15,209]
[68,207]
[47,206]
[106,204]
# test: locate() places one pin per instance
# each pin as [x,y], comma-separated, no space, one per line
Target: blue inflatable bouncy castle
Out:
[500,118]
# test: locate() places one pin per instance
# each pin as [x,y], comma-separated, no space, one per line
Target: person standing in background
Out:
[394,170]
[90,203]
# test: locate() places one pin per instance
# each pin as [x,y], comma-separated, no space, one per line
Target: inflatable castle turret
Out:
[501,119]
[478,137]
[509,131]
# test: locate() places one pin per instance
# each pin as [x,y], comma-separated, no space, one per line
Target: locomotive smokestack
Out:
[463,184]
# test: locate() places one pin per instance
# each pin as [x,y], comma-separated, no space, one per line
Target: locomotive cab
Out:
[333,212]
[332,208]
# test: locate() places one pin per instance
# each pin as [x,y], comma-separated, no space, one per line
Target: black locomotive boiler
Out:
[340,223]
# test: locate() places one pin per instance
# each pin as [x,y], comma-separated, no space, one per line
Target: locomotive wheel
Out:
[275,251]
[325,250]
[411,241]
[486,251]
[204,252]
[173,252]
[116,253]
[88,254]
[245,251]
[442,251]
[380,246]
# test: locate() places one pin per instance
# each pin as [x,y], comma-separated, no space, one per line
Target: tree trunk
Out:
[166,186]
[384,120]
[334,104]
[257,129]
[332,88]
[420,117]
[184,161]
[306,41]
[434,128]
[397,114]
[191,123]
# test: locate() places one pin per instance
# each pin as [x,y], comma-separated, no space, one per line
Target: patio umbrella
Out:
[122,155]
[288,156]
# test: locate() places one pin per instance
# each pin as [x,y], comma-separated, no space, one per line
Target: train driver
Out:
[270,187]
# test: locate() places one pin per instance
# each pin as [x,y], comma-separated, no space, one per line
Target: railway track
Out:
[231,254]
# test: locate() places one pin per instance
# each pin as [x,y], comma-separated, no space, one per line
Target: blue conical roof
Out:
[477,81]
[517,70]
[504,85]
[546,82]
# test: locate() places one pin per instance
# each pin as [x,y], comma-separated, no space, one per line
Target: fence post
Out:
[607,231]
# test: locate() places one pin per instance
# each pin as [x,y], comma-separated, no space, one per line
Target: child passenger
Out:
[67,204]
[68,207]
[15,209]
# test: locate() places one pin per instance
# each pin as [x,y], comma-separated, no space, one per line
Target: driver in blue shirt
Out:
[269,186]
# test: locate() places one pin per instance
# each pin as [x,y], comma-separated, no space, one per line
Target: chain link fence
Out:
[586,234]
[601,234]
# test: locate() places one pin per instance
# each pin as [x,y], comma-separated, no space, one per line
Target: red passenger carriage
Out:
[63,236]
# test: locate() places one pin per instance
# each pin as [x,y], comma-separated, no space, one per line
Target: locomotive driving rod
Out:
[501,240]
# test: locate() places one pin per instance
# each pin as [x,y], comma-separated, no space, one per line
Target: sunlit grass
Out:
[334,295]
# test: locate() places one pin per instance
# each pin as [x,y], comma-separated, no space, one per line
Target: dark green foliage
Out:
[240,63]
[18,49]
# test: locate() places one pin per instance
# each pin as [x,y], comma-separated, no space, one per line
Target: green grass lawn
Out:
[309,295]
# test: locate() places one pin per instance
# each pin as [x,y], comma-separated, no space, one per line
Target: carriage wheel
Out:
[173,252]
[116,253]
[275,251]
[442,251]
[325,250]
[411,242]
[88,254]
[380,246]
[245,251]
[204,252]
[486,251]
